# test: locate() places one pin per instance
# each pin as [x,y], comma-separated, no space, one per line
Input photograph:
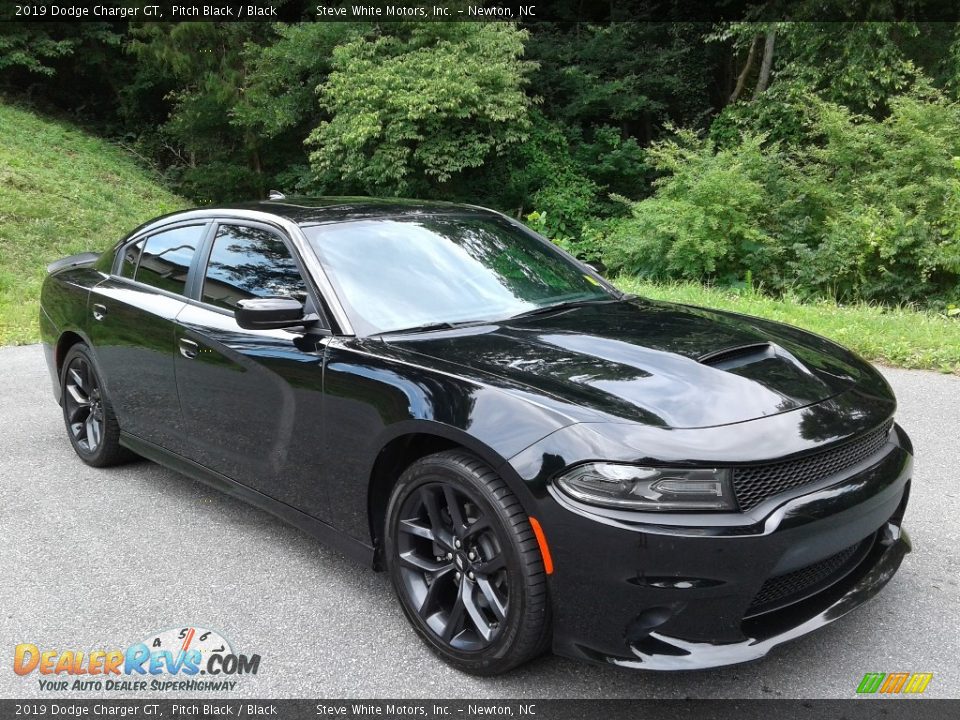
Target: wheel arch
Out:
[56,352]
[67,340]
[406,445]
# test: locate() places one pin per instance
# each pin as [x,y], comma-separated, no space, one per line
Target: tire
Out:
[87,414]
[494,615]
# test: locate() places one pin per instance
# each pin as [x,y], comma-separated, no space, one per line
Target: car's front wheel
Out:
[91,425]
[466,565]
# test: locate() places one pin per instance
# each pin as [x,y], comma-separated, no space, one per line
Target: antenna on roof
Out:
[276,195]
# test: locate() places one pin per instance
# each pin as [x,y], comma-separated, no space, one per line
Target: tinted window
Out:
[401,273]
[129,257]
[248,262]
[166,258]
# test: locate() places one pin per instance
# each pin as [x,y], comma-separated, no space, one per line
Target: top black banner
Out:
[563,11]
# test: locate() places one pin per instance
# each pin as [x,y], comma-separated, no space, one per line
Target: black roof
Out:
[306,211]
[314,210]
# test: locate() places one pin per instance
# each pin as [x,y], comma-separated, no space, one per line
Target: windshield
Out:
[402,273]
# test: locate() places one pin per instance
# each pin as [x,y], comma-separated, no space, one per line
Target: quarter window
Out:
[166,257]
[247,262]
[130,255]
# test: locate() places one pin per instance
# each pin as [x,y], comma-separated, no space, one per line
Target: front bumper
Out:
[662,652]
[678,596]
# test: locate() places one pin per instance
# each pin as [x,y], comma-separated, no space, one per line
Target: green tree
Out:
[632,76]
[76,67]
[413,105]
[858,65]
[205,64]
[42,48]
[32,48]
[611,87]
[282,75]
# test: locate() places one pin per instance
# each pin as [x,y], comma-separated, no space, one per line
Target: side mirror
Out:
[271,313]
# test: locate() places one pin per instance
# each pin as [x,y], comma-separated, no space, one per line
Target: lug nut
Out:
[470,575]
[472,555]
[456,543]
[449,556]
[458,575]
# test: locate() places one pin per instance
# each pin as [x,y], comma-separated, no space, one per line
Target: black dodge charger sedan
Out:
[536,459]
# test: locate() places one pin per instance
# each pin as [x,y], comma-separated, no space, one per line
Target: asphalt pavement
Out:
[94,559]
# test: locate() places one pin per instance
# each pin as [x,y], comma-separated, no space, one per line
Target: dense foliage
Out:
[866,209]
[821,159]
[413,106]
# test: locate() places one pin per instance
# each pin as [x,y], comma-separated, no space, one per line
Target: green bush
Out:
[863,209]
[890,192]
[709,217]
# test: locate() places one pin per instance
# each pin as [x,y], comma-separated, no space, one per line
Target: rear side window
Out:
[247,262]
[166,258]
[129,257]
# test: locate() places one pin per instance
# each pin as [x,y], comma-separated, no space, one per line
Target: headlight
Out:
[631,487]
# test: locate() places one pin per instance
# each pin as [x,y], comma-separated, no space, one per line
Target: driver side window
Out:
[248,262]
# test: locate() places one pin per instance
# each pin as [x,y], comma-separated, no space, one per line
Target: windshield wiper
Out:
[565,305]
[427,327]
[453,325]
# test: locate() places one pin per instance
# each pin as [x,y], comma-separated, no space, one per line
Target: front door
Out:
[251,399]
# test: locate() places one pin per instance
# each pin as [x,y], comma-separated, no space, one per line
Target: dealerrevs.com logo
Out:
[180,659]
[898,683]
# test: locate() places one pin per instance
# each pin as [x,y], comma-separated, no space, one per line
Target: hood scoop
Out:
[739,355]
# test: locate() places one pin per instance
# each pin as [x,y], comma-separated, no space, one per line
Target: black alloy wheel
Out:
[453,566]
[91,424]
[84,406]
[466,565]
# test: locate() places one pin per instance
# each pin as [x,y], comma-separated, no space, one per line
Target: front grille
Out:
[798,584]
[756,483]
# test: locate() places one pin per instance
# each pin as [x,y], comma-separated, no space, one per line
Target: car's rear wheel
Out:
[466,565]
[91,424]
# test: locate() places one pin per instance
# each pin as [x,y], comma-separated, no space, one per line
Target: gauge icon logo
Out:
[190,650]
[202,640]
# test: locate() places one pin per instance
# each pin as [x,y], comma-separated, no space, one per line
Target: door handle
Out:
[189,349]
[99,311]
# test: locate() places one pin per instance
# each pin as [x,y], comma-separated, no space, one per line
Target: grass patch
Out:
[901,337]
[61,192]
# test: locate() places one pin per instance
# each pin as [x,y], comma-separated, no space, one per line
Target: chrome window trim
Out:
[300,244]
[146,234]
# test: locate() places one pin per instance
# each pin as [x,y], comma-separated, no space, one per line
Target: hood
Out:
[657,363]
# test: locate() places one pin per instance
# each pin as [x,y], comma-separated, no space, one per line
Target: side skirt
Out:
[327,534]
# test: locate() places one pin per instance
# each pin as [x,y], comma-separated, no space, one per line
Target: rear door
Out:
[252,399]
[132,329]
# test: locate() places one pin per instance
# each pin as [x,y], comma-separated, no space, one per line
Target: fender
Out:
[372,400]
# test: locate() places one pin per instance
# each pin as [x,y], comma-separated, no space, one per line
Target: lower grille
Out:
[799,584]
[754,484]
